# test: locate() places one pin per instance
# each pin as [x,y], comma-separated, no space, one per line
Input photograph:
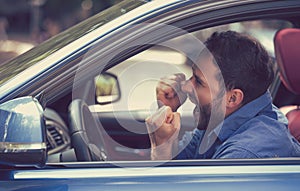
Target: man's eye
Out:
[198,81]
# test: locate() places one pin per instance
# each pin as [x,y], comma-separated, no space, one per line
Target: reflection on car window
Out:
[139,75]
[138,90]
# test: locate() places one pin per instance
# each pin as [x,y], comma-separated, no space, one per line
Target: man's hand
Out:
[169,93]
[163,128]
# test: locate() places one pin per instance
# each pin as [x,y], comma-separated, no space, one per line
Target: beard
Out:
[202,115]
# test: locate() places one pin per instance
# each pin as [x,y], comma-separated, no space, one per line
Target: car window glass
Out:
[124,119]
[139,74]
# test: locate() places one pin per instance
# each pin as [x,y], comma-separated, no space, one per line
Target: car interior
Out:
[122,111]
[287,50]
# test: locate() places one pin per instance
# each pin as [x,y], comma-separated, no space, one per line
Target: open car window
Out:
[122,122]
[139,75]
[124,119]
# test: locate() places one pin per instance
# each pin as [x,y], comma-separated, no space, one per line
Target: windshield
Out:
[24,61]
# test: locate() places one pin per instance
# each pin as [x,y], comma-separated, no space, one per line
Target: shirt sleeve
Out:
[235,152]
[189,144]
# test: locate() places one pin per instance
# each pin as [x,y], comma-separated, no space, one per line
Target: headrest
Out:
[287,51]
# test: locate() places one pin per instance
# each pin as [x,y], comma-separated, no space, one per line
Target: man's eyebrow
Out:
[199,79]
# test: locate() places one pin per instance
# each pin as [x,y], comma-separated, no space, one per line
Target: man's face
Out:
[202,88]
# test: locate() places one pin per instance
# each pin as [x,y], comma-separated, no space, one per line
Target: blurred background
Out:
[26,23]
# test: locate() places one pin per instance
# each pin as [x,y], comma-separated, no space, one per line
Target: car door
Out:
[139,73]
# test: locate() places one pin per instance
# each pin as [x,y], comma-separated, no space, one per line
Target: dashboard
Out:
[57,132]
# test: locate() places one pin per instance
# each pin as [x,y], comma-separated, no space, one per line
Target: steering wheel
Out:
[86,138]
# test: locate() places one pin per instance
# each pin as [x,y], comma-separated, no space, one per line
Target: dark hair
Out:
[243,61]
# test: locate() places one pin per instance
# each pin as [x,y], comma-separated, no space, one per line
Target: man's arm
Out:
[169,93]
[235,152]
[188,146]
[163,128]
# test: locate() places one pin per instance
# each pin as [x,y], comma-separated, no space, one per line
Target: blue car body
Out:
[47,73]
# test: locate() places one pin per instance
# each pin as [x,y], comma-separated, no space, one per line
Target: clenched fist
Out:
[163,128]
[169,93]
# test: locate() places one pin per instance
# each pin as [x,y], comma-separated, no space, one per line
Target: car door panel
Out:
[126,133]
[216,177]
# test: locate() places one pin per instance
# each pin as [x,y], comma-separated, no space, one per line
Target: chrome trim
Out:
[21,146]
[156,171]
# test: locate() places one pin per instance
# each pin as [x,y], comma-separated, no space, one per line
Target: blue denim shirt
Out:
[256,130]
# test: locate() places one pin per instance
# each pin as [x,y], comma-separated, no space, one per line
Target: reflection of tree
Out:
[106,85]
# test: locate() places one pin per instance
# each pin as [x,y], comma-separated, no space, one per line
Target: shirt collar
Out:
[239,117]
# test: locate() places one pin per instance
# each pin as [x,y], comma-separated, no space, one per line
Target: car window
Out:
[139,74]
[123,121]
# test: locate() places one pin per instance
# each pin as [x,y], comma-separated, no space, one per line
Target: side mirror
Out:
[107,88]
[22,133]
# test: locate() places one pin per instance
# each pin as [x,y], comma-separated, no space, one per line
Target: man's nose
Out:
[187,86]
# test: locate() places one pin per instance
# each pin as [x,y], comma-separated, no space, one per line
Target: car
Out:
[73,109]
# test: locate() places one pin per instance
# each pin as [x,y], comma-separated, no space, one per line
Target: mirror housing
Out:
[22,133]
[107,88]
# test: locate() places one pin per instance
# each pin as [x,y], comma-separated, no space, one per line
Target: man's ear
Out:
[234,99]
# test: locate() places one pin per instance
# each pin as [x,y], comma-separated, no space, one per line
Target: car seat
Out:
[287,51]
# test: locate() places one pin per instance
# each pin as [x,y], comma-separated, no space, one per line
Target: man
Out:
[234,112]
